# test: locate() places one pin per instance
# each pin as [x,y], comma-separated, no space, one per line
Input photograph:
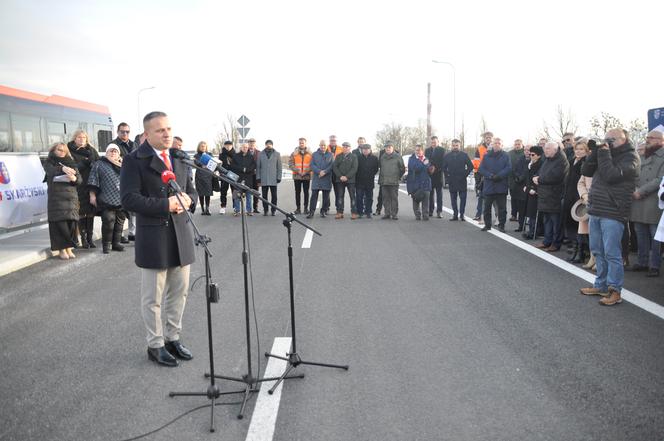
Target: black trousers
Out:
[273,191]
[112,221]
[501,201]
[379,199]
[223,195]
[341,187]
[301,184]
[314,201]
[438,189]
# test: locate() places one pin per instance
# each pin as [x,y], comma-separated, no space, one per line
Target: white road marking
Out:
[308,237]
[264,417]
[626,294]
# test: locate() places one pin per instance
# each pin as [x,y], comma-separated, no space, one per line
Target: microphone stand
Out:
[213,391]
[250,382]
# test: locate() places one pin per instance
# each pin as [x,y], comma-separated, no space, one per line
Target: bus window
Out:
[27,133]
[4,132]
[56,132]
[104,138]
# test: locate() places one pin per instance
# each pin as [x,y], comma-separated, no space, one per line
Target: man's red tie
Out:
[164,156]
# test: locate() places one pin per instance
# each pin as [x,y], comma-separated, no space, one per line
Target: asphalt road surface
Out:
[450,334]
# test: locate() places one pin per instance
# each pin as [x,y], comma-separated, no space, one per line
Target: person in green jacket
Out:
[345,169]
[392,169]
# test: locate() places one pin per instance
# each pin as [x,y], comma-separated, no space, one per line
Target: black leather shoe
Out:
[161,356]
[177,349]
[485,228]
[131,238]
[124,240]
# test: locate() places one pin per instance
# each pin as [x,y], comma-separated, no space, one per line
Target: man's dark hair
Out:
[228,142]
[178,138]
[269,141]
[153,115]
[456,140]
[568,134]
[434,137]
[122,124]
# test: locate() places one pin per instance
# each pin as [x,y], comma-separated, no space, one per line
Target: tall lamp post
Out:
[138,103]
[453,86]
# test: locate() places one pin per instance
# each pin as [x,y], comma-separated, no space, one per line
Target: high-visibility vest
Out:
[481,150]
[301,163]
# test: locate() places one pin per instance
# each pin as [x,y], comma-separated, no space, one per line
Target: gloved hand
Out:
[496,178]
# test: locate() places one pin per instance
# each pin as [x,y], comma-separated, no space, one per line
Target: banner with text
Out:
[23,195]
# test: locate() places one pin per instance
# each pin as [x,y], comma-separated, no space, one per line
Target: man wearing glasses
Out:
[126,146]
[568,146]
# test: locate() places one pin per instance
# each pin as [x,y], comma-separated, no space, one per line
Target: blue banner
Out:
[656,119]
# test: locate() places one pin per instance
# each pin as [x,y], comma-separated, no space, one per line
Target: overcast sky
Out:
[309,68]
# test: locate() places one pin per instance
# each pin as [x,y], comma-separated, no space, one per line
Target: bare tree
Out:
[484,127]
[564,122]
[462,134]
[229,132]
[393,132]
[603,123]
[637,131]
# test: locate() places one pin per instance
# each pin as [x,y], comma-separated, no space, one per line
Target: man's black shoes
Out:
[485,228]
[177,349]
[161,356]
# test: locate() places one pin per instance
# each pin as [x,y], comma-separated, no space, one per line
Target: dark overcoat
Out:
[551,183]
[457,166]
[244,165]
[436,157]
[163,239]
[84,157]
[418,175]
[202,180]
[531,199]
[519,177]
[62,202]
[495,170]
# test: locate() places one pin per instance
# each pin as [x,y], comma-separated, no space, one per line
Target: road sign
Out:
[656,119]
[242,141]
[243,131]
[243,121]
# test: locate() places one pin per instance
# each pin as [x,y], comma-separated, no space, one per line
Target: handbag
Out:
[419,195]
[215,184]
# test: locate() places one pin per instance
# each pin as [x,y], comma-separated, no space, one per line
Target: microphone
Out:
[212,165]
[168,178]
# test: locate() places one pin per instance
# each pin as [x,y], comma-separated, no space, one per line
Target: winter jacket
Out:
[244,165]
[345,165]
[418,175]
[300,164]
[436,157]
[84,157]
[367,167]
[530,187]
[392,169]
[495,169]
[614,172]
[268,168]
[62,202]
[322,162]
[104,181]
[646,209]
[202,180]
[457,166]
[551,183]
[519,177]
[125,147]
[225,156]
[583,187]
[514,155]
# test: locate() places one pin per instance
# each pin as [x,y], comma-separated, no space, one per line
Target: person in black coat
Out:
[164,237]
[519,177]
[123,142]
[244,165]
[85,155]
[457,166]
[225,156]
[367,167]
[530,188]
[203,181]
[572,195]
[435,154]
[62,178]
[551,187]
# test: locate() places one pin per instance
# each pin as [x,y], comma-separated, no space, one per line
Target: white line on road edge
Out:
[264,417]
[626,294]
[308,237]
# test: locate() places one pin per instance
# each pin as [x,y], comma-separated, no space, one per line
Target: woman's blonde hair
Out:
[198,147]
[58,144]
[78,132]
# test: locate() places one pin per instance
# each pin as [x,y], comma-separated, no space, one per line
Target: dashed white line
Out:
[626,294]
[308,237]
[264,417]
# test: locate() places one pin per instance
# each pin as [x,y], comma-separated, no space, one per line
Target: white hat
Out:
[112,147]
[579,211]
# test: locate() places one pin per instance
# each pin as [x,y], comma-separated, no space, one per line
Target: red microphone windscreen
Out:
[167,176]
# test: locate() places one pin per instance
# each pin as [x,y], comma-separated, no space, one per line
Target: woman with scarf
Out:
[85,155]
[572,227]
[418,183]
[203,181]
[104,193]
[62,178]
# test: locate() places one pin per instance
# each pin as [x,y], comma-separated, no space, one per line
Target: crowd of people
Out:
[600,200]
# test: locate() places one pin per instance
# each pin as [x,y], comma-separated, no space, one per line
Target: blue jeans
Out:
[605,245]
[236,203]
[462,196]
[645,238]
[364,200]
[552,229]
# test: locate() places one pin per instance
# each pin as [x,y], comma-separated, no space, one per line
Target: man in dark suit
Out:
[435,154]
[164,238]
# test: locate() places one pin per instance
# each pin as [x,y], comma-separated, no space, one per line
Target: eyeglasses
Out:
[567,140]
[124,132]
[533,154]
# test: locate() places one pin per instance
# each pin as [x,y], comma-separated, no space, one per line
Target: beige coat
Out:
[584,187]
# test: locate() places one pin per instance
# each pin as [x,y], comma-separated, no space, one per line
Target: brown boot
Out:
[353,216]
[542,246]
[611,299]
[592,292]
[339,216]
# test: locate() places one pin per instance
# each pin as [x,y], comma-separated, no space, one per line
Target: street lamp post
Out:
[138,103]
[453,87]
